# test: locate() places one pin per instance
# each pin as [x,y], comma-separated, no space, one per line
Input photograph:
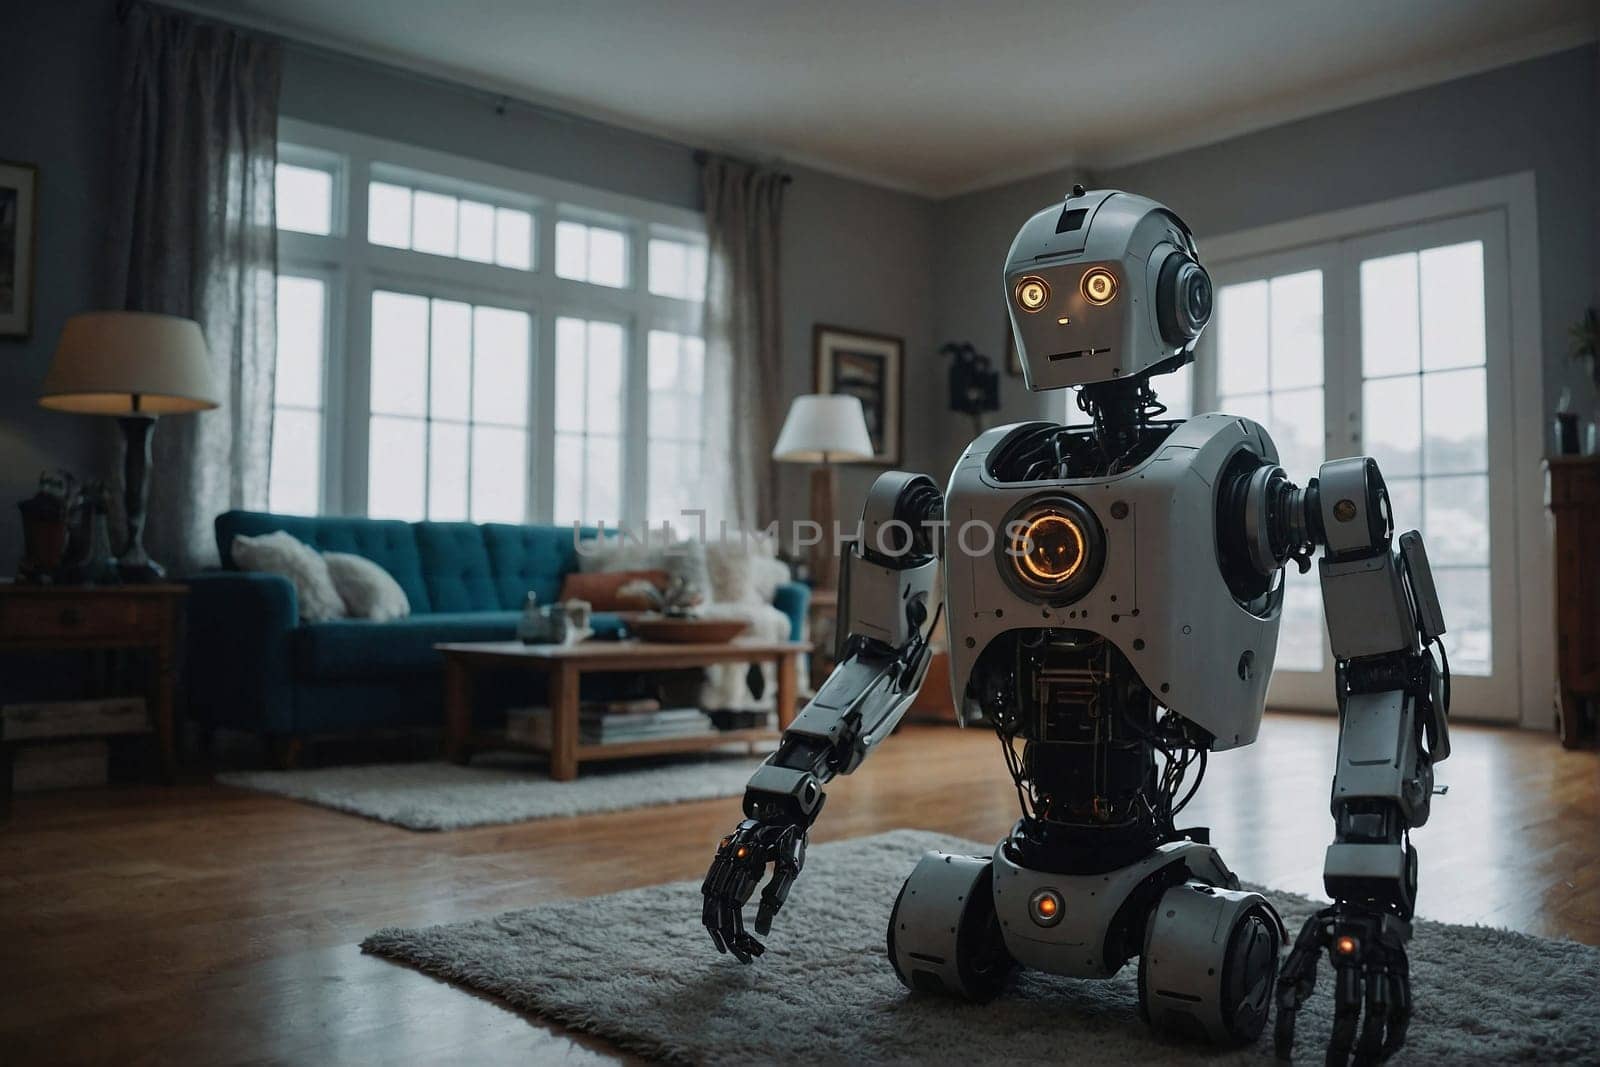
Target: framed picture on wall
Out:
[867,366]
[18,186]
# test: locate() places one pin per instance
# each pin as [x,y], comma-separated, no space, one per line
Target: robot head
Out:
[1106,286]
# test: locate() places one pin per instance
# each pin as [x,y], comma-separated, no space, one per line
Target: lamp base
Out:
[824,491]
[135,564]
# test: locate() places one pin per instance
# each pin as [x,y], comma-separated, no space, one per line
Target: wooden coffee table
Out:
[563,665]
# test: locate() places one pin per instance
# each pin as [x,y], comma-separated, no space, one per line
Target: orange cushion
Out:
[603,591]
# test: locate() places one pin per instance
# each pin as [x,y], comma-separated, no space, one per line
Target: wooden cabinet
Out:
[1572,493]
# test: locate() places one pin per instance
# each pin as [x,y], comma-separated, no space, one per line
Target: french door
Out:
[1393,344]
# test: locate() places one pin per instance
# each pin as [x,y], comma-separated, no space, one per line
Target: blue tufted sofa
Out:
[254,666]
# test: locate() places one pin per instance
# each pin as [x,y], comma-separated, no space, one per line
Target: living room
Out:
[553,448]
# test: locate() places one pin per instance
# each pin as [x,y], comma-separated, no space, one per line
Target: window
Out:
[594,254]
[677,269]
[304,198]
[442,225]
[588,417]
[295,479]
[1426,422]
[1393,342]
[677,434]
[1269,368]
[475,363]
[448,437]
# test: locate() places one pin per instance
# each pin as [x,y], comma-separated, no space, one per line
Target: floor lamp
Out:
[824,429]
[137,366]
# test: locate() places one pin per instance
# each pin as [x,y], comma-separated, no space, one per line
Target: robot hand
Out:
[1368,952]
[741,860]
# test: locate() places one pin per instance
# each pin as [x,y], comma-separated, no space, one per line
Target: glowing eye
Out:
[1032,293]
[1345,946]
[1049,549]
[1044,907]
[1099,286]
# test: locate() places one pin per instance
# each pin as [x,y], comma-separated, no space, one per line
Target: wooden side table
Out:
[54,618]
[1572,493]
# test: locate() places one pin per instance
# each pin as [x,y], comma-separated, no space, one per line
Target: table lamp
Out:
[137,366]
[824,429]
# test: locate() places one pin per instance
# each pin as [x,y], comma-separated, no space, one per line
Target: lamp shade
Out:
[824,428]
[129,363]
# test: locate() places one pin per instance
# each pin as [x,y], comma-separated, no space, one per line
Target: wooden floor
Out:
[199,924]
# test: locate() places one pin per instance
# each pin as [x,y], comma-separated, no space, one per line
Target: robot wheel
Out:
[944,936]
[1219,989]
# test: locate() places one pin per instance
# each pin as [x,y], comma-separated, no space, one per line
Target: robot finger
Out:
[744,947]
[1346,1013]
[773,897]
[709,919]
[1295,983]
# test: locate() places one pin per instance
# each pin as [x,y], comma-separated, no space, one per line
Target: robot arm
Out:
[888,582]
[1383,615]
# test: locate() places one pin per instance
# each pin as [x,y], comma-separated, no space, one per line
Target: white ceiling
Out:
[936,96]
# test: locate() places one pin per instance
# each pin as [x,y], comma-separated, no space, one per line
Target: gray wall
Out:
[57,76]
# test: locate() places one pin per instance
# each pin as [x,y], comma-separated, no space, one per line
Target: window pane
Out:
[447,471]
[500,366]
[1455,420]
[295,483]
[1391,424]
[477,232]
[697,274]
[1452,306]
[669,268]
[1389,315]
[1300,634]
[389,215]
[603,487]
[300,339]
[1242,338]
[571,345]
[675,485]
[395,450]
[569,478]
[1176,390]
[1296,301]
[665,371]
[513,244]
[433,223]
[399,353]
[450,360]
[608,257]
[1405,503]
[304,199]
[1464,599]
[1297,429]
[499,474]
[1251,407]
[1456,520]
[603,413]
[572,251]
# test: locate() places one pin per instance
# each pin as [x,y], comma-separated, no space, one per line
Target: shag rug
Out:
[636,968]
[444,796]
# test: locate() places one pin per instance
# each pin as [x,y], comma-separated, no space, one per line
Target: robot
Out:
[1113,597]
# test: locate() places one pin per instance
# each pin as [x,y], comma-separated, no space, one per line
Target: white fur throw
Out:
[684,559]
[282,553]
[368,591]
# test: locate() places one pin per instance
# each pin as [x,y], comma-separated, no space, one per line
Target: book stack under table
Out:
[612,723]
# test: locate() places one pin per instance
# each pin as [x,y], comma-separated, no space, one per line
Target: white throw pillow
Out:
[368,591]
[733,563]
[282,553]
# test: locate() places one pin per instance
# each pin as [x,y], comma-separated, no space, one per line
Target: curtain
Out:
[193,233]
[743,369]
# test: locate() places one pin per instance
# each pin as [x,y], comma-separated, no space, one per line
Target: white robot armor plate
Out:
[1160,599]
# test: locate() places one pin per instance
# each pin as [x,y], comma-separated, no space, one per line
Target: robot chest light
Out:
[1052,549]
